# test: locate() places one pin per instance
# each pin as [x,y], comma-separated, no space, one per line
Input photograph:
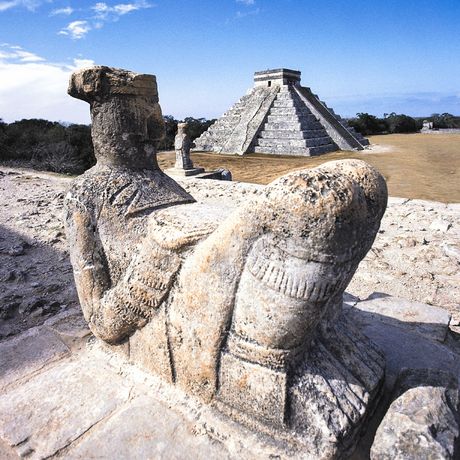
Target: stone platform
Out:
[63,394]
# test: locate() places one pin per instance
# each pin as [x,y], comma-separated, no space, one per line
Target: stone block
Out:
[431,322]
[29,352]
[54,408]
[71,327]
[184,172]
[143,429]
[257,390]
[403,347]
[423,420]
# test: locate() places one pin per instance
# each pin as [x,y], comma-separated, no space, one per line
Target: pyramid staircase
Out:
[236,129]
[339,132]
[291,129]
[278,116]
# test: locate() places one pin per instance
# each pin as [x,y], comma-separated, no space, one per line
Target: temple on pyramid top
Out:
[279,116]
[277,77]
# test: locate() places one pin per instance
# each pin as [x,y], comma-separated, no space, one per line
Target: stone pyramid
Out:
[279,116]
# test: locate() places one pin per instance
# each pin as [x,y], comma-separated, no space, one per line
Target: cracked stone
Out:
[54,408]
[27,353]
[427,320]
[169,437]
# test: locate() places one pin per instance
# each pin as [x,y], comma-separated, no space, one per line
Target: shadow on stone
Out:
[37,283]
[404,348]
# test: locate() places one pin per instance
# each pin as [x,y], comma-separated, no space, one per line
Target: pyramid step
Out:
[319,141]
[281,143]
[297,143]
[300,125]
[307,151]
[291,134]
[227,122]
[284,103]
[283,125]
[273,150]
[289,111]
[291,118]
[283,96]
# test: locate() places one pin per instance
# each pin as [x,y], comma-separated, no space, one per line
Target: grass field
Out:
[424,166]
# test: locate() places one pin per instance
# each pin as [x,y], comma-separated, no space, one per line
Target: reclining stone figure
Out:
[243,310]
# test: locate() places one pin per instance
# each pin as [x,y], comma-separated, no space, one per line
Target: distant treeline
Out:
[47,145]
[392,123]
[195,128]
[67,148]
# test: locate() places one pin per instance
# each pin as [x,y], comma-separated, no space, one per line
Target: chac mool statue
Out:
[241,309]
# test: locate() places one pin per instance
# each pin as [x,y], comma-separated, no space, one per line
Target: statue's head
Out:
[181,127]
[127,122]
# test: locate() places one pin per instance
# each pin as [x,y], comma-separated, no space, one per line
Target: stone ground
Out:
[63,395]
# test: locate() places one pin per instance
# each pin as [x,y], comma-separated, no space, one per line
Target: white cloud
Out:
[105,12]
[38,89]
[246,2]
[101,9]
[18,54]
[67,11]
[31,5]
[240,14]
[101,13]
[82,63]
[7,5]
[124,8]
[76,29]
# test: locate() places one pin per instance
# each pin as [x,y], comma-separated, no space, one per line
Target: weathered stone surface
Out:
[296,134]
[239,308]
[404,348]
[349,300]
[422,272]
[235,131]
[440,225]
[451,251]
[278,116]
[423,420]
[153,431]
[149,348]
[106,207]
[256,248]
[429,321]
[57,406]
[182,144]
[29,352]
[71,327]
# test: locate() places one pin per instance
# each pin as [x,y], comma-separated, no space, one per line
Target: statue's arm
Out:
[110,315]
[115,311]
[92,277]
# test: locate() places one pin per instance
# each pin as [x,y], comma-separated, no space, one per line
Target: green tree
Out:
[197,126]
[48,145]
[3,147]
[445,121]
[401,123]
[171,130]
[367,124]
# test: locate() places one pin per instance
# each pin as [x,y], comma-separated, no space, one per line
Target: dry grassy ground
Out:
[423,166]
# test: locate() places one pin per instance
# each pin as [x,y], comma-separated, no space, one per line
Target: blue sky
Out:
[371,56]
